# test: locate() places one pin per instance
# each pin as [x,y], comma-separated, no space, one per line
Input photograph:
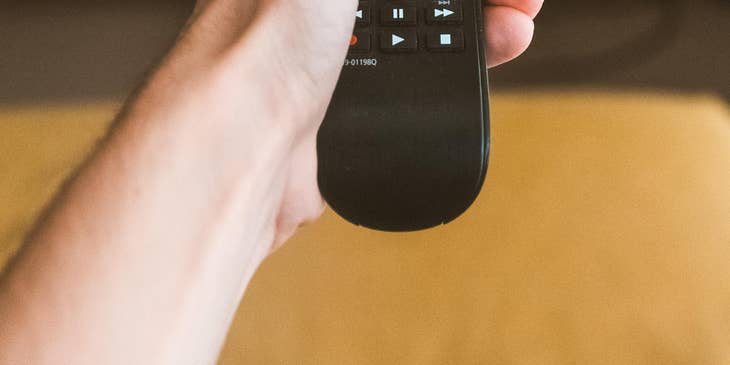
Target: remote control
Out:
[405,142]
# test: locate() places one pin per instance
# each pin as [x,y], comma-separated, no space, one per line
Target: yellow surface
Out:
[602,237]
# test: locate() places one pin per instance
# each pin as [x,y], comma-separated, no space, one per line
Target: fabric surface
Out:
[602,236]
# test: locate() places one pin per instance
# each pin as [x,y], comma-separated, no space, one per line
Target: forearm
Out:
[127,271]
[146,255]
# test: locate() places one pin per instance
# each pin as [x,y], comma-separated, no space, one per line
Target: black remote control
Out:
[405,142]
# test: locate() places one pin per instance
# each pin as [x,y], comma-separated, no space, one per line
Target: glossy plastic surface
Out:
[405,142]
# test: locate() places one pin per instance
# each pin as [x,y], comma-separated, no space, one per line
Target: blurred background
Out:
[601,235]
[80,49]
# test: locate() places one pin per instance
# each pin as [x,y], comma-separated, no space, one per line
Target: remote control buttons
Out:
[445,41]
[445,14]
[362,16]
[401,19]
[399,15]
[360,42]
[399,41]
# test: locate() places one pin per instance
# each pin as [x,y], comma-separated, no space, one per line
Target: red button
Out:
[360,42]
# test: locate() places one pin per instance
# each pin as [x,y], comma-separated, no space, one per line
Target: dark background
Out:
[73,50]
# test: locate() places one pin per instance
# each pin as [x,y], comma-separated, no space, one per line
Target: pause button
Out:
[398,15]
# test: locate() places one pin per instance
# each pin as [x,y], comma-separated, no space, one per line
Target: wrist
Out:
[291,50]
[216,163]
[235,90]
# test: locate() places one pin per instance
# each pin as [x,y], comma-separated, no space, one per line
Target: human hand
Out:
[300,45]
[509,28]
[206,171]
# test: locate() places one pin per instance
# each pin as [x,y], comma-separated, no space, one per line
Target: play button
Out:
[402,40]
[396,40]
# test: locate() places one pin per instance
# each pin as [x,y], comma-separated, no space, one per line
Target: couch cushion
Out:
[602,236]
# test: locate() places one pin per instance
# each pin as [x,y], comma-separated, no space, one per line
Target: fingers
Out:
[508,31]
[300,208]
[529,7]
[302,203]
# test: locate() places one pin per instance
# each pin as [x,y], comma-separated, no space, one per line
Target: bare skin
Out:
[146,254]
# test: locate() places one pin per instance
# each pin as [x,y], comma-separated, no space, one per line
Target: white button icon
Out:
[359,14]
[399,13]
[396,40]
[442,13]
[445,39]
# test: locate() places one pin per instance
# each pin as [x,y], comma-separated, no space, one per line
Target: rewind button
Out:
[362,15]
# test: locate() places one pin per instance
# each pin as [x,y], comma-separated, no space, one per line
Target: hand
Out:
[302,44]
[509,28]
[146,252]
